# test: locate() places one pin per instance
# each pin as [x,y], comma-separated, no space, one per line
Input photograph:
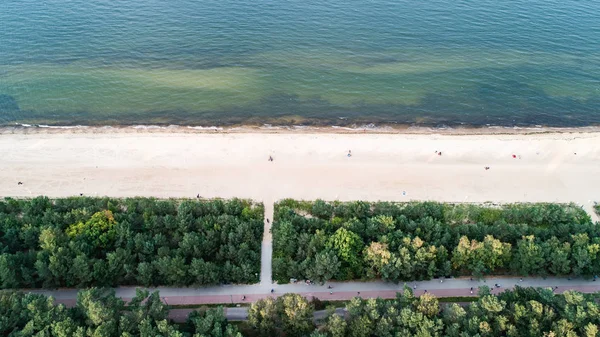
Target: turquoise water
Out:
[438,62]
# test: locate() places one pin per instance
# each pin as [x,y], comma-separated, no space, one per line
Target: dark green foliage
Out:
[422,240]
[517,312]
[99,313]
[521,312]
[80,242]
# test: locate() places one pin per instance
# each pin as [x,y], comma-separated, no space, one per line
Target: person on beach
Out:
[270,158]
[349,153]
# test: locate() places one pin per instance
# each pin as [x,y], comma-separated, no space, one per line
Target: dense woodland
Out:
[521,312]
[81,242]
[99,313]
[423,240]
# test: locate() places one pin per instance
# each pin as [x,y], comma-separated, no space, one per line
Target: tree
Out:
[263,316]
[584,255]
[529,257]
[558,256]
[377,256]
[211,323]
[428,305]
[172,270]
[481,257]
[347,245]
[290,313]
[336,326]
[324,268]
[8,275]
[204,273]
[101,310]
[98,230]
[145,273]
[80,271]
[297,314]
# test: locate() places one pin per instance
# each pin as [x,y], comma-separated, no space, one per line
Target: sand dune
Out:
[549,167]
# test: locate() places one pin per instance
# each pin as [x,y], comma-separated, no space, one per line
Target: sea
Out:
[438,63]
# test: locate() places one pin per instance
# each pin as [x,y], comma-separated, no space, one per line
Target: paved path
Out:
[589,208]
[267,247]
[340,291]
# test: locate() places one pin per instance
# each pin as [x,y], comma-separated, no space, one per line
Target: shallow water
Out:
[524,62]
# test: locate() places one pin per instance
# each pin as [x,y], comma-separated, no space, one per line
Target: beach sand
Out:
[549,167]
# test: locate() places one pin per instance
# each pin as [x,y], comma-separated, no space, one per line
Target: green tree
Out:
[8,275]
[98,230]
[324,268]
[347,245]
[336,326]
[558,256]
[297,314]
[211,323]
[377,256]
[481,257]
[263,316]
[428,305]
[529,257]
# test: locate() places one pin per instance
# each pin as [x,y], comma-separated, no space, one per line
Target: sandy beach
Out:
[551,167]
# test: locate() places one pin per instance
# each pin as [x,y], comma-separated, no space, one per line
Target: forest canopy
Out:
[518,312]
[82,242]
[422,240]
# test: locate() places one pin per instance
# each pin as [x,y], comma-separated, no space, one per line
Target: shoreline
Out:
[292,129]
